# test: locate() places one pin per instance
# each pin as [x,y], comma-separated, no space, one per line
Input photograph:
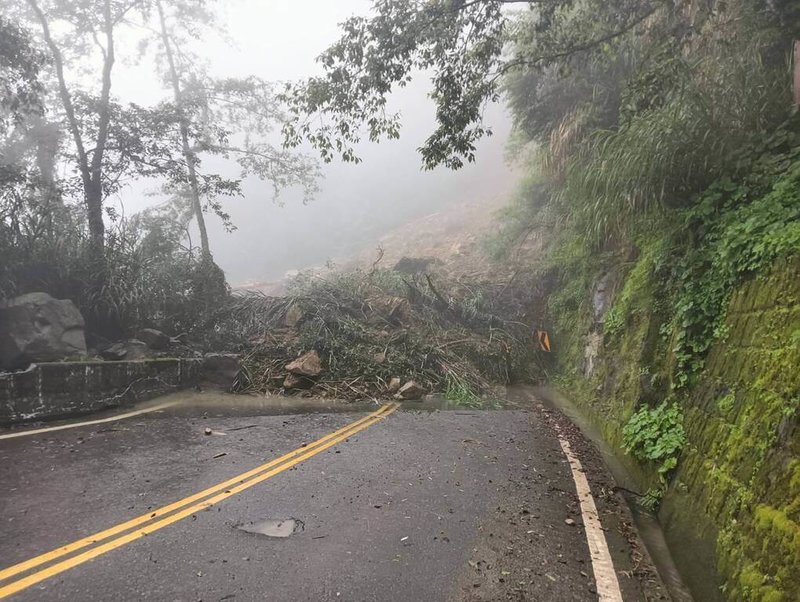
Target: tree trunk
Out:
[796,75]
[188,155]
[91,173]
[94,192]
[94,216]
[44,135]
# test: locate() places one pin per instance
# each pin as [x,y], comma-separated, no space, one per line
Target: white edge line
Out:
[603,567]
[90,422]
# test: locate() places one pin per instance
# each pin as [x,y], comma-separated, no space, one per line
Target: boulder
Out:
[411,390]
[155,339]
[221,369]
[136,349]
[38,328]
[180,339]
[394,385]
[414,265]
[291,381]
[293,315]
[133,349]
[307,364]
[114,352]
[394,310]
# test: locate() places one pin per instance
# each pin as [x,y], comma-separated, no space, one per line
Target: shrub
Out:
[656,435]
[150,278]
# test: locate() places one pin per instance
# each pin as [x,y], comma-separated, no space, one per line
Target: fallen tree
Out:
[376,334]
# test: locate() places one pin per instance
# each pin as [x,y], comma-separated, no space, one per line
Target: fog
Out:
[279,41]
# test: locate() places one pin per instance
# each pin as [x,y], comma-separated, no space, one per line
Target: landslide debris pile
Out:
[376,334]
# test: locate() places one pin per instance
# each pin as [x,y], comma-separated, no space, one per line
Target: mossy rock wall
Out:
[633,358]
[732,511]
[738,482]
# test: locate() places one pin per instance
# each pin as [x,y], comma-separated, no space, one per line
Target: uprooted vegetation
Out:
[374,332]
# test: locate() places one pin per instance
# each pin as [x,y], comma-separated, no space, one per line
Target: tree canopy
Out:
[466,47]
[560,52]
[20,65]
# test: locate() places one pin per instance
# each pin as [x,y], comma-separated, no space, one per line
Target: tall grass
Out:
[725,97]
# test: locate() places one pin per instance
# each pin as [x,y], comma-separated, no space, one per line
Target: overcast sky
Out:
[279,40]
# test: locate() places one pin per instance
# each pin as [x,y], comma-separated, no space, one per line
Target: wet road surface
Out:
[413,505]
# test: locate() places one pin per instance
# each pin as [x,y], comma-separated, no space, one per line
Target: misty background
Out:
[279,41]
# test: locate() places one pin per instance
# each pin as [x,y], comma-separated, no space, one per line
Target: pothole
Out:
[273,527]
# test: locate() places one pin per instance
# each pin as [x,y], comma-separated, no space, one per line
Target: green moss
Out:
[726,402]
[778,526]
[770,594]
[636,296]
[794,480]
[751,579]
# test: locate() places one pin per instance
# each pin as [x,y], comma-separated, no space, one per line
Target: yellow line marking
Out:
[229,488]
[605,576]
[90,422]
[82,543]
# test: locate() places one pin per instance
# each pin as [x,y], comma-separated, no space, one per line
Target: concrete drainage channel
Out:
[647,525]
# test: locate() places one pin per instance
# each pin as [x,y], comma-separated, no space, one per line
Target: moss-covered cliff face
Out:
[732,507]
[739,477]
[683,347]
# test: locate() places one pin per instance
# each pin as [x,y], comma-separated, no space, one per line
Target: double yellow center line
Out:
[119,535]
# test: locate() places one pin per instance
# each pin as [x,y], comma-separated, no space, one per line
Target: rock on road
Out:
[457,504]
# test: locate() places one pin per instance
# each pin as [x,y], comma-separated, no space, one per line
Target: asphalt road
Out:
[417,505]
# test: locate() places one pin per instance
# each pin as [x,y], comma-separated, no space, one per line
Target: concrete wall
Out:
[51,390]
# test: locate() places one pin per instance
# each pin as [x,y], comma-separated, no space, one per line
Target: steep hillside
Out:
[685,355]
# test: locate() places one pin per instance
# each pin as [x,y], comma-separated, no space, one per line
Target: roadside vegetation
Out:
[677,155]
[68,146]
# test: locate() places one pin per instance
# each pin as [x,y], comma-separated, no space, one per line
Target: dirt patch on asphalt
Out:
[510,560]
